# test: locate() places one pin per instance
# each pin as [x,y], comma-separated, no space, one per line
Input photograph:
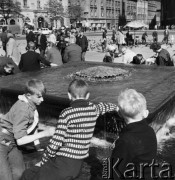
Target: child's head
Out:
[132,105]
[35,90]
[9,68]
[78,89]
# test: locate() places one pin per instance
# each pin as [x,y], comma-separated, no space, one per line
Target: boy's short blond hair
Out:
[35,86]
[78,88]
[131,103]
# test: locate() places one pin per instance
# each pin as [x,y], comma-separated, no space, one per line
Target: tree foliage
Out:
[9,8]
[55,9]
[75,12]
[122,20]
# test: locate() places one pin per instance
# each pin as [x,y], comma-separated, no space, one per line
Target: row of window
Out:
[25,4]
[109,13]
[77,2]
[141,10]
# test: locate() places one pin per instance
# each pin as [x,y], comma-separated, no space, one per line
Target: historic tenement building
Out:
[168,12]
[34,13]
[107,13]
[154,12]
[99,13]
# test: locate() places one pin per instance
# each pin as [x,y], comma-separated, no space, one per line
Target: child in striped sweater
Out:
[69,146]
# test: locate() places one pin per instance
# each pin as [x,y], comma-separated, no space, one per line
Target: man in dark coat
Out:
[155,36]
[30,61]
[42,43]
[166,35]
[30,36]
[163,56]
[4,38]
[83,43]
[73,51]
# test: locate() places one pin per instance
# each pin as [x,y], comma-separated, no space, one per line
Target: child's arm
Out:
[56,141]
[30,138]
[106,107]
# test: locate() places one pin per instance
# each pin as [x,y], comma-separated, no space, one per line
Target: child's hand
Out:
[49,131]
[38,164]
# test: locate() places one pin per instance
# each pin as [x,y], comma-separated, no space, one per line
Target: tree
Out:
[122,20]
[55,10]
[9,8]
[75,12]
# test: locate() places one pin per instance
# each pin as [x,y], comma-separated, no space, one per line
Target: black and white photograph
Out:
[87,89]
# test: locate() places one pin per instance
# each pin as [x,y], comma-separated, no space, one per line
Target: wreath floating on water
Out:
[100,73]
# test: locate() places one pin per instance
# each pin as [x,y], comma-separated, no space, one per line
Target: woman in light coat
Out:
[120,40]
[12,49]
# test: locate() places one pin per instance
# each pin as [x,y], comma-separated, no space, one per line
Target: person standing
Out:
[113,35]
[104,39]
[30,36]
[3,37]
[82,41]
[166,35]
[12,49]
[121,40]
[73,51]
[42,43]
[144,36]
[155,35]
[61,45]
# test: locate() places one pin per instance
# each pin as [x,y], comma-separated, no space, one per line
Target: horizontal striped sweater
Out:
[75,129]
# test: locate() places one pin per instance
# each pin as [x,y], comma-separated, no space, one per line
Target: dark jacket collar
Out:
[136,126]
[79,103]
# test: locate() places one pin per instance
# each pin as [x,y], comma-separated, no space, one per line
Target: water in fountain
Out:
[158,92]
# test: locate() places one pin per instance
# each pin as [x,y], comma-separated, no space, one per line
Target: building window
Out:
[92,12]
[92,2]
[25,3]
[95,2]
[101,2]
[95,11]
[69,3]
[112,3]
[78,2]
[38,4]
[102,12]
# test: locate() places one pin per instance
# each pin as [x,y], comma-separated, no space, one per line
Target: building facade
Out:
[99,13]
[154,13]
[107,13]
[142,11]
[34,13]
[168,13]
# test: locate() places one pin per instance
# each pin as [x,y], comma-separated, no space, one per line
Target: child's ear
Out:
[69,95]
[145,113]
[28,95]
[87,95]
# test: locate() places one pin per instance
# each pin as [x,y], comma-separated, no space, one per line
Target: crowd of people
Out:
[71,138]
[119,45]
[61,46]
